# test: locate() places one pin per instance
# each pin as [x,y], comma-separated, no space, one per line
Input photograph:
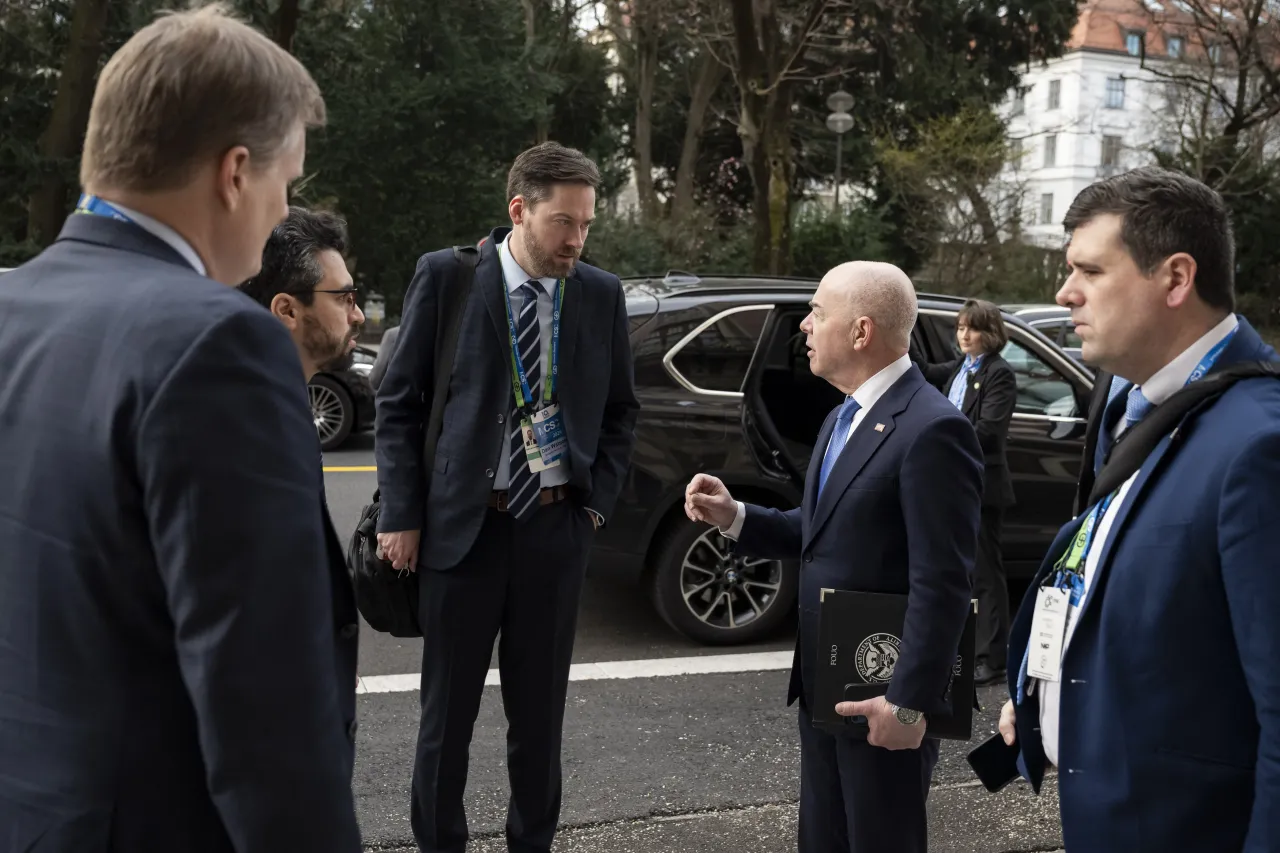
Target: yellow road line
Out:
[344,469]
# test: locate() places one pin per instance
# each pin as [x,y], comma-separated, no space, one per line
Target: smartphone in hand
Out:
[995,762]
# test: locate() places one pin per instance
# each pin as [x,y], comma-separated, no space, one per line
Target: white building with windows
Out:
[1093,112]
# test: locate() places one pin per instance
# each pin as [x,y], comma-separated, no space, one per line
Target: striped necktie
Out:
[522,494]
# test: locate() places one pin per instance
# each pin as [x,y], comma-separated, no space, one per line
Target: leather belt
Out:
[498,499]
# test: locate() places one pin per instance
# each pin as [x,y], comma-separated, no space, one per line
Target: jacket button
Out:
[349,631]
[488,472]
[351,729]
[501,418]
[808,558]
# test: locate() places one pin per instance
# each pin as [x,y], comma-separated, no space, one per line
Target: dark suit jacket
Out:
[1097,402]
[596,391]
[989,400]
[1170,705]
[174,670]
[899,514]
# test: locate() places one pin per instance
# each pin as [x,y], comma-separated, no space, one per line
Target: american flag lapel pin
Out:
[879,427]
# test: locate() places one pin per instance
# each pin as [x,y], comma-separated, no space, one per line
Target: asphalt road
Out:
[665,764]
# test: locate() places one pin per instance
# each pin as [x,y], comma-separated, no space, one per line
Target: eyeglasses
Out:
[345,294]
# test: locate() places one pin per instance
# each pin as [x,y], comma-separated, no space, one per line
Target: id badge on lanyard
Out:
[541,426]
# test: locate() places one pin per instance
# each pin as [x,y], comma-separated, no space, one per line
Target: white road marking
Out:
[621,669]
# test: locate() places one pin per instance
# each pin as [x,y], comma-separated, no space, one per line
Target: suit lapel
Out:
[492,286]
[1123,512]
[875,427]
[570,318]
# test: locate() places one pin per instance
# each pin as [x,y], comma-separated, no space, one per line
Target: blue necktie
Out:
[523,491]
[838,435]
[1136,407]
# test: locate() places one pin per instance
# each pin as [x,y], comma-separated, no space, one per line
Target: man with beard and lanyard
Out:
[501,527]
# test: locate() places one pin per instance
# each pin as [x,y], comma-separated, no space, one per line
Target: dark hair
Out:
[985,318]
[1166,212]
[537,170]
[289,263]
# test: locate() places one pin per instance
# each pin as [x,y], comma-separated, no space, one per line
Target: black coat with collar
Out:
[595,387]
[989,399]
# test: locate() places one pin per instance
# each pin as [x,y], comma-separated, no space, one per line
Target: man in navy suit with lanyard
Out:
[1145,652]
[177,647]
[536,440]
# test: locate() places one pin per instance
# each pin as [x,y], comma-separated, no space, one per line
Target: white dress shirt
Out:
[158,229]
[867,395]
[515,277]
[1160,387]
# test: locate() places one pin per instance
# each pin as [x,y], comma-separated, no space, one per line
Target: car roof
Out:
[678,283]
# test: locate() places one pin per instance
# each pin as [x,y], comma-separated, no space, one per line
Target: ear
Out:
[1178,277]
[233,169]
[287,310]
[861,332]
[516,208]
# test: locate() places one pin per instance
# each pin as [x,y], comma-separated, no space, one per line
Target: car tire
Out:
[706,593]
[332,411]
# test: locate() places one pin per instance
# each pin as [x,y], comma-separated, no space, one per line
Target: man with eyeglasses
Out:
[305,283]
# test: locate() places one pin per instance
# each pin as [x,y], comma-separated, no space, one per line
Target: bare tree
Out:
[1222,83]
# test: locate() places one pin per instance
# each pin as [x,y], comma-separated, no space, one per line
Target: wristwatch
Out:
[904,715]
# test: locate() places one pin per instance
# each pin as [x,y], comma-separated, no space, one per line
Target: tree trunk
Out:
[62,138]
[286,24]
[710,73]
[779,160]
[646,36]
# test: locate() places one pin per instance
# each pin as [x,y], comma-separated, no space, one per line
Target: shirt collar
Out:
[514,274]
[1167,380]
[870,392]
[158,229]
[972,361]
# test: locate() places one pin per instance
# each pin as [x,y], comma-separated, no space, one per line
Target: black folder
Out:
[859,635]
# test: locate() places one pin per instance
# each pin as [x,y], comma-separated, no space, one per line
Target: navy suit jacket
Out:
[596,390]
[1169,734]
[177,644]
[899,514]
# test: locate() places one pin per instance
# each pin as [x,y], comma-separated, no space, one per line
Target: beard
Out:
[329,351]
[545,264]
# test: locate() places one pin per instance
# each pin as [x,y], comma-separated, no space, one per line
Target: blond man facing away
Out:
[177,656]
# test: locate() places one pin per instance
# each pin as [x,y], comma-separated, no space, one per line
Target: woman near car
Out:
[981,385]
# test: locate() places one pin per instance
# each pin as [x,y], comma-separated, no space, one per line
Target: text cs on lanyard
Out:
[542,427]
[96,206]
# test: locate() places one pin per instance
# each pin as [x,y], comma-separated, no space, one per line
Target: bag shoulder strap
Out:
[453,304]
[1133,447]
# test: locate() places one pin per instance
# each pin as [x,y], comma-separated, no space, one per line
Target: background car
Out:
[342,400]
[724,385]
[1055,322]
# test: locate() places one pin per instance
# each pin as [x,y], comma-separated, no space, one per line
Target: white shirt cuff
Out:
[735,529]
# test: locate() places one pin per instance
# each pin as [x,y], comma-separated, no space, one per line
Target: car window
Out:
[1042,390]
[718,358]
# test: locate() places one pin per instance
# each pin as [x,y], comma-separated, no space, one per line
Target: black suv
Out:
[724,385]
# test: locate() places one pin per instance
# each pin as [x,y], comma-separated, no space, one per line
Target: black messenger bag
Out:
[386,598]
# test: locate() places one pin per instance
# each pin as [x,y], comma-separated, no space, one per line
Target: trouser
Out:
[521,581]
[859,798]
[991,635]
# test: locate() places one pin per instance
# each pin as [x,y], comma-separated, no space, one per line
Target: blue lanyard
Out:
[96,206]
[524,395]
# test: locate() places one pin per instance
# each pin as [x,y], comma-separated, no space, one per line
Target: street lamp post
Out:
[839,122]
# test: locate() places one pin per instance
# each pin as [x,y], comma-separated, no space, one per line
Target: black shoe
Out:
[983,674]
